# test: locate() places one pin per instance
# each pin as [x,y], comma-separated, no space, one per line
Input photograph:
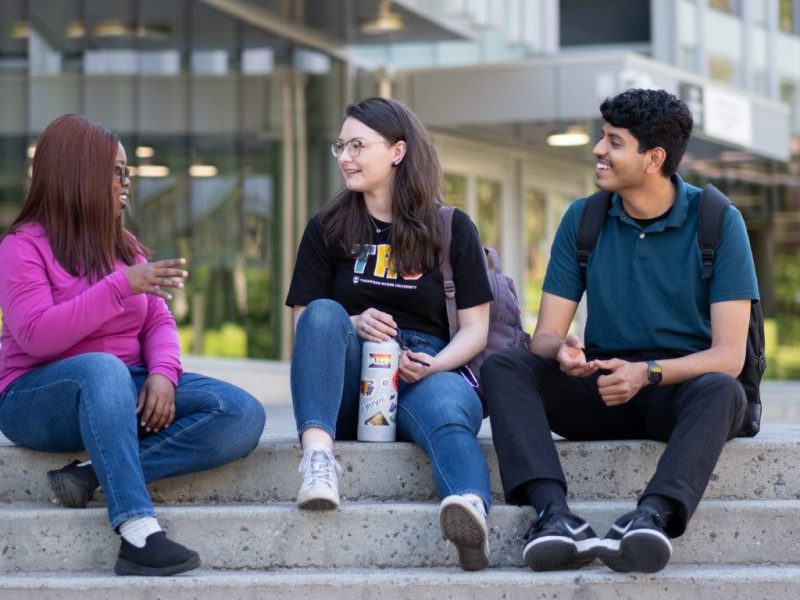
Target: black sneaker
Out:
[159,557]
[559,540]
[73,486]
[636,542]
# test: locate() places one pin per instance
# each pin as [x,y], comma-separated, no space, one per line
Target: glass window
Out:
[536,244]
[455,190]
[788,17]
[489,198]
[204,105]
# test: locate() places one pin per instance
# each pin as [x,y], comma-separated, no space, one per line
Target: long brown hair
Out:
[72,197]
[416,192]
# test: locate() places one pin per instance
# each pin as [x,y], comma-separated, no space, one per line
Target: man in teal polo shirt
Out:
[663,347]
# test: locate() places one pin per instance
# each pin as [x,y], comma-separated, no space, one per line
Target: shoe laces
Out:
[319,467]
[543,520]
[478,505]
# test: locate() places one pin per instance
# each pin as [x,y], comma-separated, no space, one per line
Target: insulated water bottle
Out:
[377,408]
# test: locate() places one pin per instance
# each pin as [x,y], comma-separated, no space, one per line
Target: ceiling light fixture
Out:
[116,29]
[152,171]
[203,171]
[20,31]
[145,151]
[385,21]
[574,135]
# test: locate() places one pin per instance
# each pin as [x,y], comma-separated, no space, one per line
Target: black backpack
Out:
[713,205]
[505,322]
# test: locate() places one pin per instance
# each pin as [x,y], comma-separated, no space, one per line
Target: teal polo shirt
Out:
[644,286]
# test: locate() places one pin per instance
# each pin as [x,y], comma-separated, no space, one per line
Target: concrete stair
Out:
[744,541]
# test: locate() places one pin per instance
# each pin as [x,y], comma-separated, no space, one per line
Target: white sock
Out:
[137,530]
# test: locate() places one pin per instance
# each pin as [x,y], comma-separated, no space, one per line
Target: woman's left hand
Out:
[415,366]
[156,405]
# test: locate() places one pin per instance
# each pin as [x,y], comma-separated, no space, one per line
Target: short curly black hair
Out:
[655,118]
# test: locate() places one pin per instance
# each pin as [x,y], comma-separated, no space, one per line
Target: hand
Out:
[572,359]
[374,325]
[156,404]
[415,366]
[149,278]
[623,381]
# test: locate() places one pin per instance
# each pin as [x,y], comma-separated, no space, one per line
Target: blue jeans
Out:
[89,402]
[441,413]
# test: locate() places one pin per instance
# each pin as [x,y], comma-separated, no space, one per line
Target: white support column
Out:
[701,65]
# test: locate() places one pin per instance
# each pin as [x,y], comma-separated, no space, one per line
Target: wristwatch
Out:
[653,372]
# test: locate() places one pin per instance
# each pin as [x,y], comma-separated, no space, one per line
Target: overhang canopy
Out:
[571,87]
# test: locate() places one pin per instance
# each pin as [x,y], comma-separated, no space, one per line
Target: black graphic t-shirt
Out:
[367,280]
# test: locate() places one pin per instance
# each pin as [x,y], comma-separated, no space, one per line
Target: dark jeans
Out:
[529,396]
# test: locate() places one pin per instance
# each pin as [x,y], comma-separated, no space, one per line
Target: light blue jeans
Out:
[441,413]
[89,402]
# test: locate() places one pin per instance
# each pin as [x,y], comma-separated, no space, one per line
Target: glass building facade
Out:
[226,129]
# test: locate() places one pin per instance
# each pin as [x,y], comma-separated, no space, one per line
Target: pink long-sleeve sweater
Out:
[49,314]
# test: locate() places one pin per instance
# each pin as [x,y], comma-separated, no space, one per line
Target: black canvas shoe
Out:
[159,557]
[559,540]
[73,486]
[636,543]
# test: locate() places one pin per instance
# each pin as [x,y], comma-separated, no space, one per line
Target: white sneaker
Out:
[463,522]
[320,489]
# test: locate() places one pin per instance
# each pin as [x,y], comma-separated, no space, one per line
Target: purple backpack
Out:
[505,322]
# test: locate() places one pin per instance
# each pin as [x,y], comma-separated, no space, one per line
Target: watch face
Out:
[654,372]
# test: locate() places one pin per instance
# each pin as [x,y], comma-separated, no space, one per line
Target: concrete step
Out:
[717,582]
[762,467]
[364,534]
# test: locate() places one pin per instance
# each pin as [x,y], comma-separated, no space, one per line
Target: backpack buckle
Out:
[449,289]
[583,258]
[708,255]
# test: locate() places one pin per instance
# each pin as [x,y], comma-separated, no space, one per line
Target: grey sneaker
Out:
[464,524]
[320,488]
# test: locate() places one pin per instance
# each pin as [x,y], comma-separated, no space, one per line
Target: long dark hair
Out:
[416,192]
[72,197]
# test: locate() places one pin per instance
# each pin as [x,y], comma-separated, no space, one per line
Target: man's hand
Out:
[623,380]
[572,359]
[156,404]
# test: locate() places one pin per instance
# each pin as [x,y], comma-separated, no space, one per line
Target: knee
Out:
[321,314]
[246,417]
[720,394]
[104,376]
[457,405]
[510,370]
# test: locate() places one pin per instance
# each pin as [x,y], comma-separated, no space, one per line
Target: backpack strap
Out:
[710,217]
[447,269]
[592,219]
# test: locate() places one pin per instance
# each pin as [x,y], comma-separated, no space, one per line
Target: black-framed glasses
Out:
[122,174]
[353,147]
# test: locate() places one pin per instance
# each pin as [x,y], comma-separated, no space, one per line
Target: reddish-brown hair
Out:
[72,197]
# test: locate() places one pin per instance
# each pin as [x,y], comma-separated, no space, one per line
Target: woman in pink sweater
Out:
[89,354]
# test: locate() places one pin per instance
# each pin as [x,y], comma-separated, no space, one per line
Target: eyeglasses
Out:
[122,174]
[353,147]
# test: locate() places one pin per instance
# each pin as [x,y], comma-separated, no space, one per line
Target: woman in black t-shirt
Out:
[367,269]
